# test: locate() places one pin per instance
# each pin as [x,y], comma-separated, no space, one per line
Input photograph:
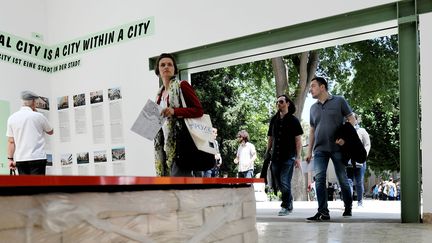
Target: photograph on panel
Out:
[63,102]
[83,158]
[100,156]
[114,94]
[96,97]
[79,100]
[42,103]
[66,159]
[49,160]
[118,154]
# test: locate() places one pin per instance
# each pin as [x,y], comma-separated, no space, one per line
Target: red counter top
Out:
[82,181]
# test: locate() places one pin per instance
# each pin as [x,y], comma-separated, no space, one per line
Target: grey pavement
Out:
[377,221]
[372,211]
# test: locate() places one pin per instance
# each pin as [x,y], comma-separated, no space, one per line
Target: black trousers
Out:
[32,167]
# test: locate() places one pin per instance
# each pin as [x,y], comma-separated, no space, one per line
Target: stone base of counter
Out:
[200,215]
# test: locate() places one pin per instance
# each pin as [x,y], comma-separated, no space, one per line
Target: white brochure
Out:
[149,120]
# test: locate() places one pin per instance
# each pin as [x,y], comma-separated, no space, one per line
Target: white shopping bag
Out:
[200,130]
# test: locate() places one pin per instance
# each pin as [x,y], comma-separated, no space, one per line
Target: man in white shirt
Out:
[358,173]
[26,141]
[246,155]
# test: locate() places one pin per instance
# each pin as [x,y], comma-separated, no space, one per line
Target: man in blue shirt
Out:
[326,116]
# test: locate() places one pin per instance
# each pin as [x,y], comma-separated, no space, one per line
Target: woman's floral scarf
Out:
[165,153]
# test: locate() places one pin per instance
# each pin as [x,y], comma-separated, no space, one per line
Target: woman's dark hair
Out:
[165,55]
[321,80]
[291,107]
[243,135]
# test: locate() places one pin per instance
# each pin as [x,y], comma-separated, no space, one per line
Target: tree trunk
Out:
[281,75]
[306,67]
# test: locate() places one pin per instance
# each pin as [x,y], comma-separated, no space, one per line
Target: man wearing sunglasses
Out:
[284,142]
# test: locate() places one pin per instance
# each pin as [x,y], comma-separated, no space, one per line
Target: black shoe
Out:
[347,212]
[319,217]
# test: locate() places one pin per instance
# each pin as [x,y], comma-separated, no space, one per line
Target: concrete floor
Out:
[377,221]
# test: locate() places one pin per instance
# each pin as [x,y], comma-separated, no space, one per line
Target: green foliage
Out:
[383,128]
[373,93]
[272,196]
[237,98]
[376,73]
[366,73]
[335,65]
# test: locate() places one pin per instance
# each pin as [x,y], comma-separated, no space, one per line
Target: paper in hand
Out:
[149,120]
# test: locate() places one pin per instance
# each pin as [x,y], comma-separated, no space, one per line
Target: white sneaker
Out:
[284,212]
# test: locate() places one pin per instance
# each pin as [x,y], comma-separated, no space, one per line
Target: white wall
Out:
[425,24]
[21,18]
[179,25]
[191,23]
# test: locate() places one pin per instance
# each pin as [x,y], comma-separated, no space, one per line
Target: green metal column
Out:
[409,111]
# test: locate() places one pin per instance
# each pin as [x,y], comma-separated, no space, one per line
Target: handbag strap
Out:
[181,95]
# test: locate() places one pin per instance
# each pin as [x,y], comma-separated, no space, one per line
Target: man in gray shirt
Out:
[326,116]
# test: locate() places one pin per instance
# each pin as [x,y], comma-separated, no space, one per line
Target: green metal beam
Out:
[282,35]
[331,24]
[409,112]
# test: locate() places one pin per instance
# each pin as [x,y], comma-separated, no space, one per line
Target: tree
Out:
[234,102]
[374,94]
[242,96]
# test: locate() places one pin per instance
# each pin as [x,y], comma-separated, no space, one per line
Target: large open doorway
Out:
[243,97]
[400,17]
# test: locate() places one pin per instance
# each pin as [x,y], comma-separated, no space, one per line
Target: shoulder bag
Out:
[195,146]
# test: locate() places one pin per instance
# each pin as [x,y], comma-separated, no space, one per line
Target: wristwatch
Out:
[10,158]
